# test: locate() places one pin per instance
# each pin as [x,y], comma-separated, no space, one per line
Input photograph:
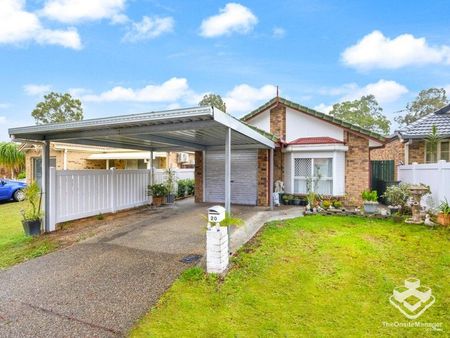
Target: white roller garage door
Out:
[244,166]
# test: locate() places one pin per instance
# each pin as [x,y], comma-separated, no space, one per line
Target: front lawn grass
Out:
[311,277]
[15,247]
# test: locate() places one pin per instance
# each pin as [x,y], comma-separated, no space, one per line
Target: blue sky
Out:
[124,56]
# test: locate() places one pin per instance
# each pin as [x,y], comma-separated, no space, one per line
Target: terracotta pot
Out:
[443,219]
[158,200]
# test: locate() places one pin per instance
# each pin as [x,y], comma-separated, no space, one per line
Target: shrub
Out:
[337,204]
[397,195]
[33,203]
[22,175]
[369,196]
[445,207]
[157,190]
[181,190]
[190,186]
[326,204]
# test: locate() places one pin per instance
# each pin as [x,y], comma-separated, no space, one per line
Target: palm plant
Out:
[433,139]
[11,157]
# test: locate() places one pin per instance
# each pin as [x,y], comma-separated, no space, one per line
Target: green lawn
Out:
[15,247]
[311,277]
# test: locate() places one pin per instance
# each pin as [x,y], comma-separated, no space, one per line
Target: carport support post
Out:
[271,180]
[228,170]
[45,189]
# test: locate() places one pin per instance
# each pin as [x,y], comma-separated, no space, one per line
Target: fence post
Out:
[113,188]
[414,174]
[52,200]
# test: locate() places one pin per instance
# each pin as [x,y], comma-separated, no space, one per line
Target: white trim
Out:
[316,147]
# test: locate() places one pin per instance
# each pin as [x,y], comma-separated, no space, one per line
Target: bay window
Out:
[315,174]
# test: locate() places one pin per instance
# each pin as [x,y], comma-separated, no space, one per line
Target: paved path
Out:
[100,287]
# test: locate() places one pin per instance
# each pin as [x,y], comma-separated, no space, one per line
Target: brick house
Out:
[313,145]
[409,145]
[81,157]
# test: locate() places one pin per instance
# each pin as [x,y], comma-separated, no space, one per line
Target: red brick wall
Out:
[278,165]
[417,151]
[357,163]
[278,121]
[198,174]
[263,177]
[394,150]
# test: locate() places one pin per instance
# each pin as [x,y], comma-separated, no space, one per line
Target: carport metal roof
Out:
[198,128]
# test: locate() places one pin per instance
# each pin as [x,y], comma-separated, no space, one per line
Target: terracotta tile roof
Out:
[314,140]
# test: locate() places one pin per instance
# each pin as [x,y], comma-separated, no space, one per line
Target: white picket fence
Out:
[435,175]
[76,194]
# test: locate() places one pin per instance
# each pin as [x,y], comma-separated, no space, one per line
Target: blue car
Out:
[12,190]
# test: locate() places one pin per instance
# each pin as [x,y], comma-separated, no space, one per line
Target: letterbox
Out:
[216,214]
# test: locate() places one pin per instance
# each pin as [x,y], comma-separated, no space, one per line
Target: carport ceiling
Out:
[197,128]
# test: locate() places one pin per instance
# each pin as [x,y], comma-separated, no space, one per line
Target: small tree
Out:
[428,101]
[432,141]
[365,112]
[213,100]
[57,108]
[11,157]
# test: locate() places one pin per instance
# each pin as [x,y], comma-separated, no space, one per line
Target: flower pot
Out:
[32,228]
[296,202]
[443,219]
[158,200]
[170,199]
[370,207]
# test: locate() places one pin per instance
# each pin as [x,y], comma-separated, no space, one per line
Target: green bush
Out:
[337,204]
[22,175]
[157,190]
[186,187]
[397,195]
[326,204]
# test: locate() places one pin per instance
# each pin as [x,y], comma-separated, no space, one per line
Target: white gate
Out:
[76,194]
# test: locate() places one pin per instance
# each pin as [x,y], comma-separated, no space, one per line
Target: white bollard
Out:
[217,254]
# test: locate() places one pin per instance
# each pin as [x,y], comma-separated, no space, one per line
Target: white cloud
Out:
[233,18]
[378,51]
[244,98]
[19,26]
[384,91]
[169,91]
[278,32]
[36,89]
[447,89]
[149,28]
[73,11]
[324,108]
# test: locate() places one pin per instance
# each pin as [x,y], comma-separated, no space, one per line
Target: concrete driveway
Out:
[101,286]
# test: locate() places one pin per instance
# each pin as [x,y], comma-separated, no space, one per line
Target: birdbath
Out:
[417,192]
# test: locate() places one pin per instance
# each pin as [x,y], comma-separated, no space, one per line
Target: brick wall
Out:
[278,165]
[356,167]
[394,150]
[278,121]
[417,151]
[198,174]
[263,177]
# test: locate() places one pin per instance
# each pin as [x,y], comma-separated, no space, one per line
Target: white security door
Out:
[244,168]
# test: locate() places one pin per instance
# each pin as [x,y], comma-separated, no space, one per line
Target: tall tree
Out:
[58,107]
[213,100]
[365,112]
[428,101]
[10,157]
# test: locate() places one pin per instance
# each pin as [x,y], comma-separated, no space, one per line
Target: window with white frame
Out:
[313,173]
[436,152]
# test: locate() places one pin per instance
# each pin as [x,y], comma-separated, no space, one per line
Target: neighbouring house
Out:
[313,146]
[65,156]
[409,145]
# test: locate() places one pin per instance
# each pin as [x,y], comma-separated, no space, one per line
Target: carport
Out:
[227,147]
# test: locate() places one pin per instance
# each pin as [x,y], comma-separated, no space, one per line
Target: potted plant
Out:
[397,197]
[443,216]
[296,200]
[370,199]
[158,192]
[32,216]
[170,183]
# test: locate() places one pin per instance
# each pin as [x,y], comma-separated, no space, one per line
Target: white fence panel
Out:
[435,175]
[76,194]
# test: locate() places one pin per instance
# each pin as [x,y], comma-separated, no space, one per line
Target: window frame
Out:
[438,154]
[314,178]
